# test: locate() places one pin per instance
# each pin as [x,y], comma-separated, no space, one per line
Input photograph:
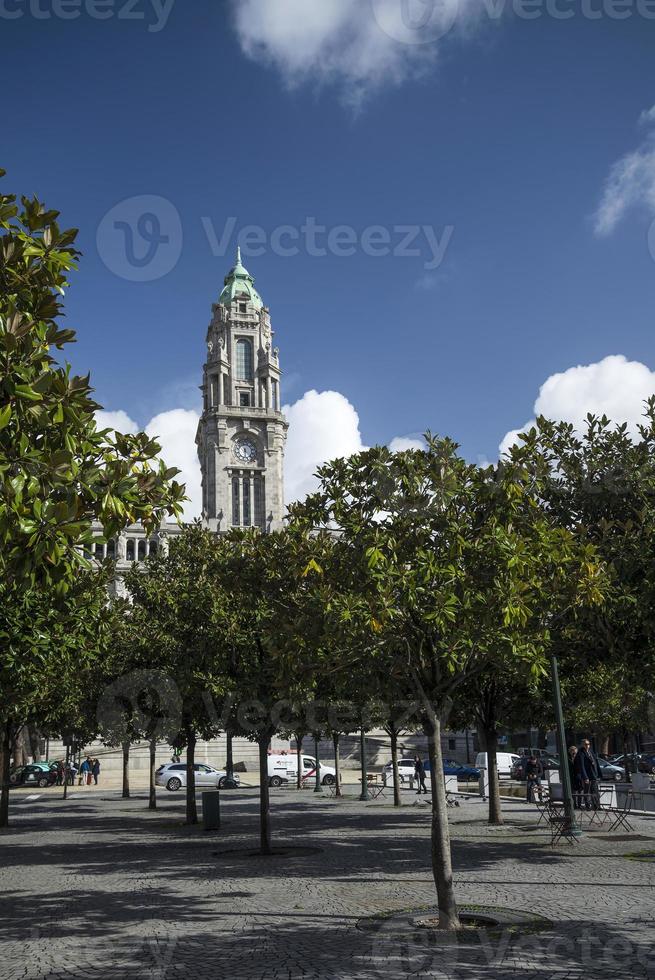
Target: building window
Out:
[129,551]
[242,307]
[236,510]
[452,744]
[142,549]
[244,360]
[244,399]
[111,549]
[152,550]
[98,551]
[246,503]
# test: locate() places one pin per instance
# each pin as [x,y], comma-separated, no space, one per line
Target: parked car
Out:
[636,762]
[33,775]
[518,769]
[405,771]
[173,776]
[15,775]
[611,772]
[504,762]
[468,773]
[284,769]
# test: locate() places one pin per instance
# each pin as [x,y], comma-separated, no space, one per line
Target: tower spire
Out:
[238,255]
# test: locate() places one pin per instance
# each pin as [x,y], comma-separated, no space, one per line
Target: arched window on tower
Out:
[244,360]
[142,549]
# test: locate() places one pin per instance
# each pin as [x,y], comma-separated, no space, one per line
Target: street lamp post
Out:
[572,827]
[317,785]
[362,746]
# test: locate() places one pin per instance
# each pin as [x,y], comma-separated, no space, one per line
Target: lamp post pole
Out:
[571,824]
[362,746]
[317,785]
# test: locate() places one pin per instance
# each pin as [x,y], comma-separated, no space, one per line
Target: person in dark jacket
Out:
[95,769]
[419,770]
[587,768]
[534,773]
[576,782]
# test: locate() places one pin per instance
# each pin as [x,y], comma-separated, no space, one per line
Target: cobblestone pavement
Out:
[99,887]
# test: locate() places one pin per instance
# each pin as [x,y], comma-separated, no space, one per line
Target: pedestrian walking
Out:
[576,782]
[419,771]
[60,773]
[534,773]
[588,771]
[85,772]
[95,769]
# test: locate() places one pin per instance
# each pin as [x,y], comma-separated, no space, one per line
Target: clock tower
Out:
[242,432]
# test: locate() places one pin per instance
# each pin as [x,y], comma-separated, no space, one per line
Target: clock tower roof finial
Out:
[239,283]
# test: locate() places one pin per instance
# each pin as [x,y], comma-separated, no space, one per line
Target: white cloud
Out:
[322,426]
[401,443]
[359,45]
[175,431]
[614,386]
[119,421]
[631,181]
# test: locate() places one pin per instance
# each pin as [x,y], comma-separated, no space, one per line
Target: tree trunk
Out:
[152,797]
[35,743]
[442,868]
[264,796]
[337,765]
[20,755]
[604,743]
[298,761]
[394,764]
[6,758]
[66,770]
[126,770]
[229,761]
[495,811]
[191,807]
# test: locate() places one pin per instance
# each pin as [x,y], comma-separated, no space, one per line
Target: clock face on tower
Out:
[245,450]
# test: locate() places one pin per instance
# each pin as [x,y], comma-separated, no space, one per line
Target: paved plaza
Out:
[100,887]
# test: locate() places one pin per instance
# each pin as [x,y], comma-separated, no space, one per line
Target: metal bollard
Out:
[211,810]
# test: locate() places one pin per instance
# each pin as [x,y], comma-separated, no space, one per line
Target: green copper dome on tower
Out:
[239,283]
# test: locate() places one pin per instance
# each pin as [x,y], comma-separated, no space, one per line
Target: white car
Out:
[405,771]
[173,776]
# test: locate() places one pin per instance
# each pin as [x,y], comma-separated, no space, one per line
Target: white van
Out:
[284,769]
[504,762]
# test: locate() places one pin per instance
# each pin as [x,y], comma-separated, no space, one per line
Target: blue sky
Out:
[500,135]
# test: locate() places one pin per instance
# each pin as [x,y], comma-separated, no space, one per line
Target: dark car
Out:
[636,762]
[518,769]
[469,773]
[35,776]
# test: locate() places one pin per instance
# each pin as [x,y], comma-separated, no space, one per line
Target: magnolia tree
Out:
[58,471]
[448,563]
[178,631]
[599,483]
[51,645]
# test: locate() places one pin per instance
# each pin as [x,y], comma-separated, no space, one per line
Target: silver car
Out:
[173,776]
